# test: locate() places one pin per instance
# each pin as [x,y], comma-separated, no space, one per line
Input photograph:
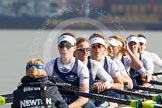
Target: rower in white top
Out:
[138,63]
[152,56]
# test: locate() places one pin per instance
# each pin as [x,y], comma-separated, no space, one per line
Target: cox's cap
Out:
[114,42]
[97,40]
[142,40]
[67,38]
[133,39]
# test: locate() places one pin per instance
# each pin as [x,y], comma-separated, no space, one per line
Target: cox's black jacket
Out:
[34,93]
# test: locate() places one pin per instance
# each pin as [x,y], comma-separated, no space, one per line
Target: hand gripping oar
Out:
[6,99]
[155,98]
[145,88]
[151,81]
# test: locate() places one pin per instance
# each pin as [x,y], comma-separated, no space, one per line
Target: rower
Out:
[137,63]
[152,56]
[98,47]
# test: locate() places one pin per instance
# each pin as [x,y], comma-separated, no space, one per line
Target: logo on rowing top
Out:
[71,78]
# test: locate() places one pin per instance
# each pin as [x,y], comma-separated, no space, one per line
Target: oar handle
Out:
[159,73]
[137,76]
[155,82]
[148,89]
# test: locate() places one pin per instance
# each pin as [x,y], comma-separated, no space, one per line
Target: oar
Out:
[148,89]
[159,73]
[133,103]
[145,88]
[137,76]
[6,99]
[155,82]
[155,98]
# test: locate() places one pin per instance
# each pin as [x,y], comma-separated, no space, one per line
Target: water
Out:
[17,46]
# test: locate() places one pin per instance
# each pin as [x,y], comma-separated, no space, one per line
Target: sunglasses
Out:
[141,43]
[83,49]
[68,46]
[35,66]
[97,46]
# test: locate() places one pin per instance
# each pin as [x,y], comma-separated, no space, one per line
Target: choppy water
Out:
[16,46]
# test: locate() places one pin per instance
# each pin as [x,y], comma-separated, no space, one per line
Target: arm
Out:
[116,75]
[103,75]
[118,83]
[105,78]
[49,68]
[149,67]
[127,79]
[156,61]
[83,74]
[157,64]
[125,76]
[81,100]
[135,62]
[148,64]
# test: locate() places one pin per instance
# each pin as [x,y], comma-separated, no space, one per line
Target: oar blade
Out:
[2,100]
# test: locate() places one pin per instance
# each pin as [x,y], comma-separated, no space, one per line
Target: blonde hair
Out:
[119,38]
[107,47]
[35,73]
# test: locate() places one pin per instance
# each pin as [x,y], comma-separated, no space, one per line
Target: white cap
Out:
[114,42]
[67,38]
[134,39]
[97,40]
[142,40]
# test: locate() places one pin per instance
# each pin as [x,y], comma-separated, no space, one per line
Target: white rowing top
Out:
[82,69]
[147,63]
[156,61]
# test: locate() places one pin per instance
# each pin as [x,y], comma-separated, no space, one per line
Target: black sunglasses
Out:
[83,49]
[68,46]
